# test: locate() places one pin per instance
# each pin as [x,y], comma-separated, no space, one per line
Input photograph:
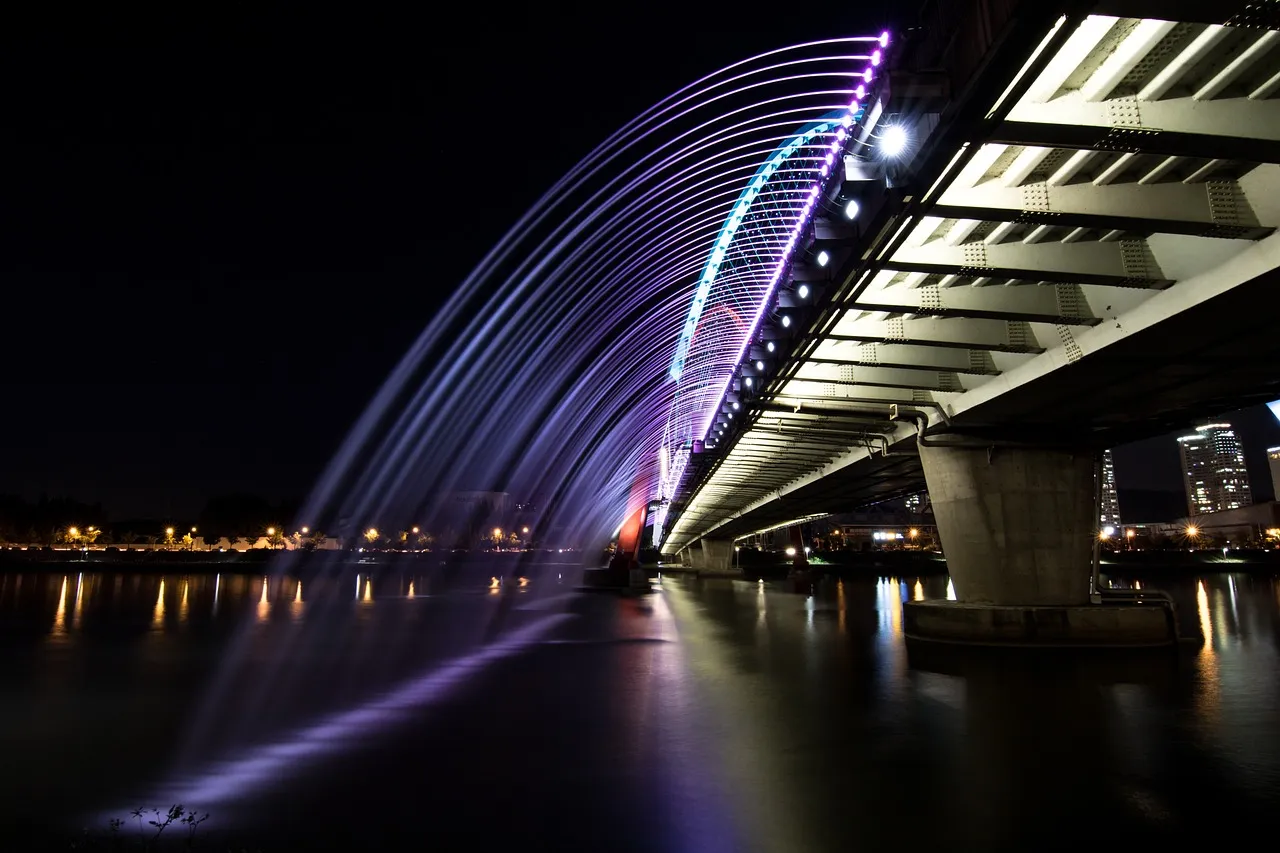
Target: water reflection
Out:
[157,615]
[264,603]
[410,594]
[75,613]
[60,617]
[816,690]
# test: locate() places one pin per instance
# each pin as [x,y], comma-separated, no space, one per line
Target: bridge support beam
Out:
[717,555]
[1017,528]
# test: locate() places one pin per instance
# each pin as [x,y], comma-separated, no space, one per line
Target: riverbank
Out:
[259,561]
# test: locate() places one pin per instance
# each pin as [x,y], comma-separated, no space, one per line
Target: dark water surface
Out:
[432,709]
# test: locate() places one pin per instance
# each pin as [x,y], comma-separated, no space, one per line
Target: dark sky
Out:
[218,235]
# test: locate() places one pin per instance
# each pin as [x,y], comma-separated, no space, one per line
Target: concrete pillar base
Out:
[1086,625]
[1017,524]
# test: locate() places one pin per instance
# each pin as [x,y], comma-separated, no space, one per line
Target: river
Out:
[438,707]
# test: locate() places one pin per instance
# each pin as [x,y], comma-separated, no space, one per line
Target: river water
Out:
[439,707]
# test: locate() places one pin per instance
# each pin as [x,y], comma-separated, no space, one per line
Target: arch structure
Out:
[1051,233]
[752,252]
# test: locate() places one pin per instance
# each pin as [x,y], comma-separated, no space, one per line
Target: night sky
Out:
[219,235]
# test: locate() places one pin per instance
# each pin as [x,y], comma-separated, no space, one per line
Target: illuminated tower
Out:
[1213,470]
[1110,510]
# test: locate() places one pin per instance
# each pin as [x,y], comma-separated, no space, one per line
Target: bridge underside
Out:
[1119,394]
[1081,252]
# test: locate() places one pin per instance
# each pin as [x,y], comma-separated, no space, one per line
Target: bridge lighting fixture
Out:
[769,347]
[786,321]
[735,405]
[875,58]
[884,39]
[759,365]
[748,381]
[893,141]
[861,92]
[823,258]
[803,291]
[866,75]
[851,209]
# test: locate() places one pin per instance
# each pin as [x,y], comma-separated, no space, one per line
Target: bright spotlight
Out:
[823,258]
[851,209]
[748,381]
[791,551]
[803,291]
[759,365]
[1109,530]
[786,321]
[893,141]
[769,346]
[735,405]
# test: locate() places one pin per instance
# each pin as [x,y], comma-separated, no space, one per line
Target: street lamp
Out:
[415,531]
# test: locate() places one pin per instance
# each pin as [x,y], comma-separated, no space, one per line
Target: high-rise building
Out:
[1213,470]
[915,503]
[1110,510]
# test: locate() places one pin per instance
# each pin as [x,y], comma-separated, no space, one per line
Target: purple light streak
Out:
[637,240]
[242,776]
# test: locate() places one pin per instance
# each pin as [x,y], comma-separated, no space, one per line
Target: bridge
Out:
[1045,229]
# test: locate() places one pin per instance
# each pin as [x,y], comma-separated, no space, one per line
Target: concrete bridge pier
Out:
[1017,526]
[717,555]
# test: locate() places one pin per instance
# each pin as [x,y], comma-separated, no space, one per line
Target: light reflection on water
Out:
[792,677]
